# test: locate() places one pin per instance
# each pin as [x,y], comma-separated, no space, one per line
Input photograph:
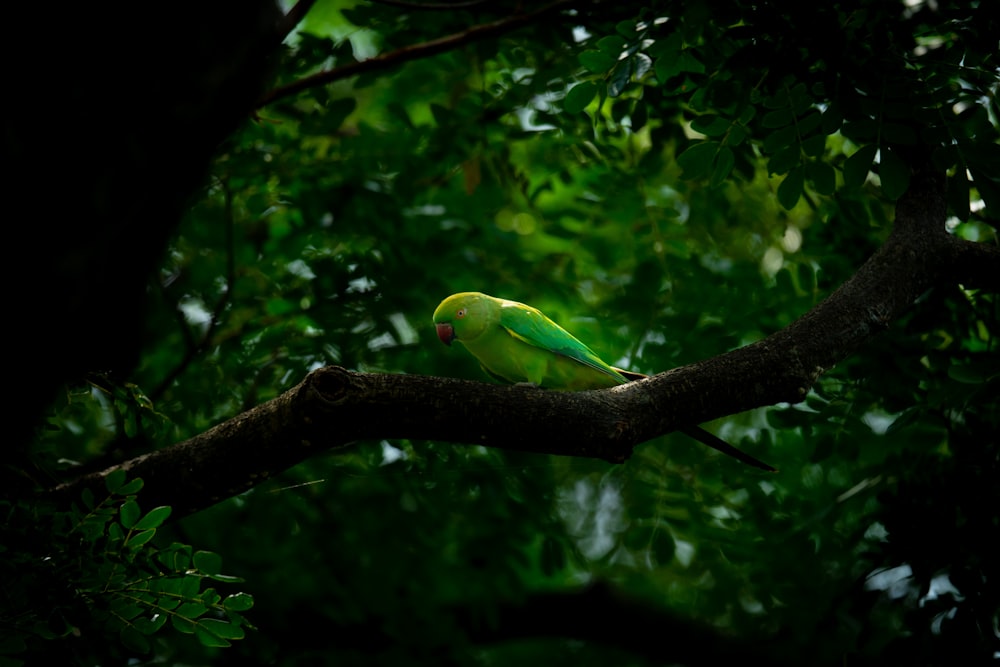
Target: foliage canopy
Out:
[669,181]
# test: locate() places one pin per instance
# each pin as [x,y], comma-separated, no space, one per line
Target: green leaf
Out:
[688,63]
[833,118]
[191,610]
[154,518]
[150,626]
[620,78]
[626,29]
[784,160]
[209,597]
[723,166]
[668,47]
[188,587]
[130,513]
[972,373]
[895,174]
[209,638]
[641,63]
[182,624]
[208,562]
[114,480]
[238,602]
[138,539]
[736,136]
[861,131]
[613,45]
[115,532]
[791,188]
[815,145]
[697,159]
[222,628]
[168,603]
[777,101]
[808,123]
[710,125]
[125,609]
[857,165]
[779,139]
[579,96]
[800,99]
[666,68]
[777,118]
[822,176]
[597,62]
[131,488]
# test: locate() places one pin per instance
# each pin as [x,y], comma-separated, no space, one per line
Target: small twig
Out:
[407,53]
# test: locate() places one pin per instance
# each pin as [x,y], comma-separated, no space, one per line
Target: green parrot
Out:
[517,343]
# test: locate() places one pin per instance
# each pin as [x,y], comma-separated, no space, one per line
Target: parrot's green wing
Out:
[531,326]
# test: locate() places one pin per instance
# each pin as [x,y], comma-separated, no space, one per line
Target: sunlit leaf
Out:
[238,602]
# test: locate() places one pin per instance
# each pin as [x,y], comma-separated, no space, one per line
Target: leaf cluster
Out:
[94,571]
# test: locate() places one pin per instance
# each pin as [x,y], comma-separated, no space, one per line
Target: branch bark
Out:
[334,407]
[424,50]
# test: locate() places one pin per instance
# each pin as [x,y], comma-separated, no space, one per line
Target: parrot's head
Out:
[463,316]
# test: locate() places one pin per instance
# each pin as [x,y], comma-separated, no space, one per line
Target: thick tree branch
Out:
[334,407]
[432,48]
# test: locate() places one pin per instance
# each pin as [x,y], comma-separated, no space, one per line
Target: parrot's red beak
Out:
[446,332]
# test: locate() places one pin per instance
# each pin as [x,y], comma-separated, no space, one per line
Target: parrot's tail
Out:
[630,376]
[706,438]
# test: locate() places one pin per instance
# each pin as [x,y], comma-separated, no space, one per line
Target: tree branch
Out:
[415,52]
[334,407]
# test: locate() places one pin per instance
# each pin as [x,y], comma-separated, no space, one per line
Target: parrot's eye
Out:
[461,313]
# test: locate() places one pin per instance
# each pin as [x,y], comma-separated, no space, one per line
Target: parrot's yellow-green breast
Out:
[517,343]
